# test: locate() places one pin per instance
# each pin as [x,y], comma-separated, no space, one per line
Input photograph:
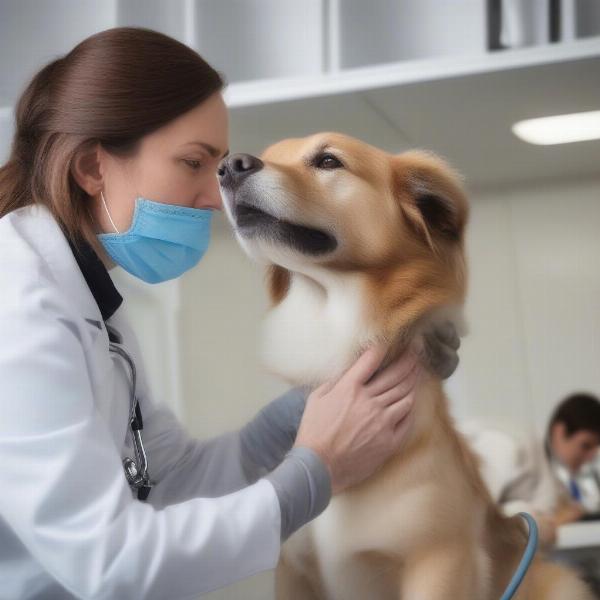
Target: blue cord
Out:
[526,560]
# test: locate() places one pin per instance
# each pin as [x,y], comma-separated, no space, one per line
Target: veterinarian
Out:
[104,494]
[552,478]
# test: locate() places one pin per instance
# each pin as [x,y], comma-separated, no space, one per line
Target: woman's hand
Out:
[270,435]
[357,422]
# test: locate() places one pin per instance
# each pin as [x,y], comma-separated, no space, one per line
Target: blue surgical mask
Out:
[163,242]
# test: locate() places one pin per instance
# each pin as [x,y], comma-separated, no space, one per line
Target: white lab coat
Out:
[518,473]
[69,522]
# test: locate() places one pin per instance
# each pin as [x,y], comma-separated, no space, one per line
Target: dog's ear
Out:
[431,196]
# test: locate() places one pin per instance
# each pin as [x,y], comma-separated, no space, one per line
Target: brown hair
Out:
[113,88]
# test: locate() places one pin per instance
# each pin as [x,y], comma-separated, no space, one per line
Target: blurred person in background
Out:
[554,478]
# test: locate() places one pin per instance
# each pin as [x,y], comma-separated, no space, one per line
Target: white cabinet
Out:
[529,22]
[396,30]
[274,51]
[261,39]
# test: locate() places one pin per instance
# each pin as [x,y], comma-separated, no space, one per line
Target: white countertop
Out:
[578,535]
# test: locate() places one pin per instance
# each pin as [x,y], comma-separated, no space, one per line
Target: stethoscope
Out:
[136,470]
[526,559]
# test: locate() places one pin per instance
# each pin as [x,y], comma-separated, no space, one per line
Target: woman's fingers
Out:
[399,391]
[401,428]
[395,412]
[393,374]
[368,363]
[354,431]
[399,413]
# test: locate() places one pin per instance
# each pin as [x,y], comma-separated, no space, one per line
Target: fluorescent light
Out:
[560,129]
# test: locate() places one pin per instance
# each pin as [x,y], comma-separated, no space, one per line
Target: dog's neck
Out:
[321,326]
[318,329]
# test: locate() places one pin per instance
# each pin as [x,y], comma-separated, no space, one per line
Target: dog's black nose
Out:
[236,167]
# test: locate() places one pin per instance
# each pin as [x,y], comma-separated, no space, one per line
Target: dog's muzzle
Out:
[235,168]
[250,218]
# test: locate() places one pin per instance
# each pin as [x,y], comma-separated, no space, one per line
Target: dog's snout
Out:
[236,167]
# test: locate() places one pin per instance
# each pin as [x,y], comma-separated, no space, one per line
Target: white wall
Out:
[534,301]
[222,302]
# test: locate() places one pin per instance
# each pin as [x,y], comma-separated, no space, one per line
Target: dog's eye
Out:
[327,161]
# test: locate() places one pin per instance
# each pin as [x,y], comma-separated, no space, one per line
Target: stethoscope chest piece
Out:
[136,470]
[135,479]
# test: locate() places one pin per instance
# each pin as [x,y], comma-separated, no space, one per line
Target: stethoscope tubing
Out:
[135,423]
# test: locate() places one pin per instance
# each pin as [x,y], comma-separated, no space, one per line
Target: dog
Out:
[361,246]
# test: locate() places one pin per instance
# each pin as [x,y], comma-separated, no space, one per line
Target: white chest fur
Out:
[318,329]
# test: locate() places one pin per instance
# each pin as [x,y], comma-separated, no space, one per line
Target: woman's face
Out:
[176,164]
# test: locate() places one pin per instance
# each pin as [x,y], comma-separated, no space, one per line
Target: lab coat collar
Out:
[97,278]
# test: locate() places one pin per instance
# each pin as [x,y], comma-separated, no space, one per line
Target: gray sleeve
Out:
[267,438]
[303,486]
[184,467]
